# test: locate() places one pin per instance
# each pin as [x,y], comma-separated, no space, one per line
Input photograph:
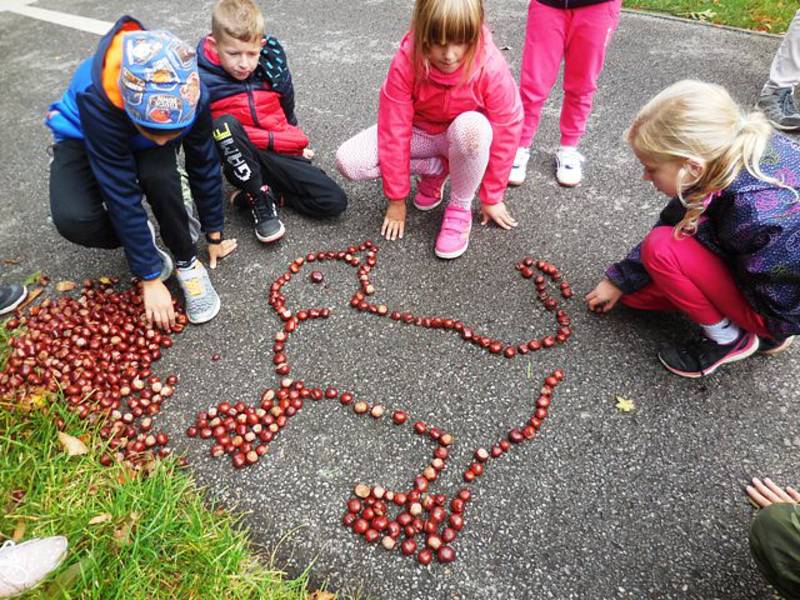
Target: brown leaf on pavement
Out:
[66,286]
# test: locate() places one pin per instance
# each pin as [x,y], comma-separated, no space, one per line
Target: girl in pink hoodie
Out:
[449,107]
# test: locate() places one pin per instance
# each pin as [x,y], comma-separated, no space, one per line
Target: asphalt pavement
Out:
[602,504]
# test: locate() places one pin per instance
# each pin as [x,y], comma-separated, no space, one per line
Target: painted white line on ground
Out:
[21,7]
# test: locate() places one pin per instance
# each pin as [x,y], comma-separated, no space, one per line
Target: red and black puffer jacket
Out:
[263,103]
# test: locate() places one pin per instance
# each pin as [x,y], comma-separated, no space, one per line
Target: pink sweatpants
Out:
[689,278]
[463,149]
[578,35]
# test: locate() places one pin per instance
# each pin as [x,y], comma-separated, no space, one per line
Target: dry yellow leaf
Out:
[19,531]
[66,286]
[105,280]
[72,445]
[101,518]
[625,405]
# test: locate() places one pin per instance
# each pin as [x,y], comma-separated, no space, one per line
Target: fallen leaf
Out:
[33,278]
[321,595]
[625,405]
[122,535]
[105,280]
[66,286]
[12,261]
[72,445]
[19,531]
[101,518]
[32,295]
[43,280]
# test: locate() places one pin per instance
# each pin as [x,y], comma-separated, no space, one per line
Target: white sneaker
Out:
[202,301]
[568,166]
[24,566]
[518,171]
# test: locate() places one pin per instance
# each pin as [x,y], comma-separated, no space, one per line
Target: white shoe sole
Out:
[451,255]
[206,317]
[778,349]
[271,238]
[16,303]
[691,375]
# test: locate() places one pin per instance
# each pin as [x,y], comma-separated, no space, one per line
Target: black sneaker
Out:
[11,296]
[773,346]
[702,357]
[265,214]
[780,109]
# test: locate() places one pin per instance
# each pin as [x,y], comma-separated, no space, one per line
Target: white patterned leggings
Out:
[463,150]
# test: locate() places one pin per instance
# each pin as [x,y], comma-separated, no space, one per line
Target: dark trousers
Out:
[302,186]
[79,211]
[775,542]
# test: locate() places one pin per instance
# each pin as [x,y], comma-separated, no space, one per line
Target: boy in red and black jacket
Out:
[264,153]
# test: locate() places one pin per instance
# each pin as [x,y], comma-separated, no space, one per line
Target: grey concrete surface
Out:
[603,504]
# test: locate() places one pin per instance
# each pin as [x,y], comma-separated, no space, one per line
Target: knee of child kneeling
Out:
[471,131]
[73,229]
[344,162]
[657,244]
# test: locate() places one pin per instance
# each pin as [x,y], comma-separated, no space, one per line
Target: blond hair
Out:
[440,22]
[238,19]
[700,122]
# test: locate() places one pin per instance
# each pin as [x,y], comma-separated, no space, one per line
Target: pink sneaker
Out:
[429,191]
[453,237]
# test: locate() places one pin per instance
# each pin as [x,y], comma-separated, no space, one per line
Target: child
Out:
[725,250]
[449,106]
[579,32]
[255,127]
[117,129]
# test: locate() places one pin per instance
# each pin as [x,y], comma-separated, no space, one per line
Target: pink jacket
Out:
[431,103]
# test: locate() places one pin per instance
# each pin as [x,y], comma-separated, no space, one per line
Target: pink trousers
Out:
[689,278]
[463,149]
[580,37]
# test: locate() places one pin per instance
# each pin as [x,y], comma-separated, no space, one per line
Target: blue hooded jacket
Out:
[87,112]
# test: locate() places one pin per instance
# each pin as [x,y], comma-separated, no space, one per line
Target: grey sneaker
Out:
[166,259]
[11,296]
[779,108]
[24,566]
[202,301]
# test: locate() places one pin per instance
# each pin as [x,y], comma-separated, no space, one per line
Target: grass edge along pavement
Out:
[771,16]
[131,536]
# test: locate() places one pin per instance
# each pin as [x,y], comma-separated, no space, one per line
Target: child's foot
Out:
[265,214]
[520,168]
[11,296]
[24,566]
[779,108]
[453,237]
[569,172]
[202,301]
[772,346]
[429,191]
[703,357]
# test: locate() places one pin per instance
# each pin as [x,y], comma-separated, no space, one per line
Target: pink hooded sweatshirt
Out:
[432,102]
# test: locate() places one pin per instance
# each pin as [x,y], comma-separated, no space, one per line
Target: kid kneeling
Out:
[118,129]
[726,249]
[264,153]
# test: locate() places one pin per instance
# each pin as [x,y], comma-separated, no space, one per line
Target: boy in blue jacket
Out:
[118,128]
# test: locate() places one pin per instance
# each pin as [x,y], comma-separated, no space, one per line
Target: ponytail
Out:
[699,122]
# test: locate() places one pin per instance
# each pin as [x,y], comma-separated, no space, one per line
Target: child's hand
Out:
[158,307]
[308,153]
[499,214]
[603,298]
[219,251]
[766,493]
[394,223]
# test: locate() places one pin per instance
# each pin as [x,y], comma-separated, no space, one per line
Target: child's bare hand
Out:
[603,298]
[308,153]
[499,214]
[766,493]
[394,223]
[219,251]
[158,307]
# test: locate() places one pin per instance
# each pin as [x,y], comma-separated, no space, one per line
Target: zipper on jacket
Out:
[252,102]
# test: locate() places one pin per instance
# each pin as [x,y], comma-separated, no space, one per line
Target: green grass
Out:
[157,537]
[762,15]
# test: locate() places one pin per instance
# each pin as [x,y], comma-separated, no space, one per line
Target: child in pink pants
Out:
[726,249]
[449,107]
[577,31]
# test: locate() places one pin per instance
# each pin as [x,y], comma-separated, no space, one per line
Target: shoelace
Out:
[263,210]
[789,107]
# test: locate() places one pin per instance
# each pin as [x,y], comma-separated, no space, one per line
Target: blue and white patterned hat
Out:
[159,81]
